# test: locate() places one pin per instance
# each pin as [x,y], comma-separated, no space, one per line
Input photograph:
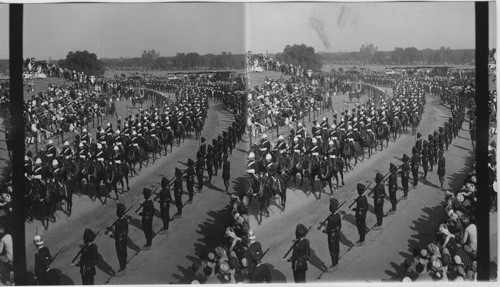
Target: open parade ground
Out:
[261,152]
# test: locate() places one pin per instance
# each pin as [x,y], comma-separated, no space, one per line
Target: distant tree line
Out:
[182,61]
[403,56]
[300,55]
[85,62]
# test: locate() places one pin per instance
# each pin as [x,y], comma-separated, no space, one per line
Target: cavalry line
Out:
[65,235]
[277,230]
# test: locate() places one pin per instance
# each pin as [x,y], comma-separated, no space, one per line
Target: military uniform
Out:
[190,179]
[226,166]
[441,170]
[334,224]
[361,209]
[215,152]
[165,199]
[300,255]
[209,160]
[425,159]
[393,186]
[430,152]
[199,172]
[415,162]
[378,199]
[120,235]
[88,258]
[178,192]
[405,175]
[147,214]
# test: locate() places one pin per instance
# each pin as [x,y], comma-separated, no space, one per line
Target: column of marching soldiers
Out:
[211,158]
[428,152]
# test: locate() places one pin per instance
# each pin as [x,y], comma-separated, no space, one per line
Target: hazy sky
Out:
[346,26]
[125,30]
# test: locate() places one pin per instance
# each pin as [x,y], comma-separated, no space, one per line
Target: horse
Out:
[97,174]
[404,120]
[180,133]
[136,155]
[396,128]
[352,149]
[47,202]
[296,166]
[383,134]
[116,173]
[198,126]
[167,139]
[62,192]
[188,124]
[368,140]
[269,188]
[415,121]
[153,144]
[312,167]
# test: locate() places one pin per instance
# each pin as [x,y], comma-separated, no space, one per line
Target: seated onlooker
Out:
[6,248]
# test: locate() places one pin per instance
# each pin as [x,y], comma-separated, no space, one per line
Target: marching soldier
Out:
[393,187]
[200,164]
[209,159]
[226,171]
[88,258]
[441,171]
[215,152]
[300,254]
[165,200]
[147,214]
[405,175]
[47,275]
[190,178]
[120,234]
[178,192]
[333,231]
[415,162]
[41,251]
[425,158]
[378,199]
[430,152]
[361,209]
[418,143]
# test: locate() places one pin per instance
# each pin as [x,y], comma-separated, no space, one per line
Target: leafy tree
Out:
[85,62]
[301,55]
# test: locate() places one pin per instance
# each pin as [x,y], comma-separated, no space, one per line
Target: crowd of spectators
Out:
[236,258]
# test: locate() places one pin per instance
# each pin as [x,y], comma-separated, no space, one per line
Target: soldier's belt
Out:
[315,153]
[109,134]
[37,177]
[118,143]
[250,170]
[333,156]
[135,144]
[118,161]
[103,142]
[50,154]
[82,156]
[297,150]
[100,159]
[263,149]
[282,151]
[318,137]
[68,156]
